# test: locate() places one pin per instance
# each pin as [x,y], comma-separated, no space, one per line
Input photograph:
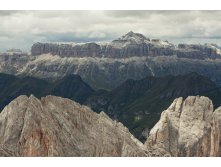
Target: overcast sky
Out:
[20,29]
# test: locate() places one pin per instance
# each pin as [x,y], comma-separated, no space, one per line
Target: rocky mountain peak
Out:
[55,126]
[132,37]
[188,128]
[130,33]
[129,39]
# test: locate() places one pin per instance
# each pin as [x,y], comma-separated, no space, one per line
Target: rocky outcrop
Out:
[217,136]
[55,126]
[188,128]
[130,45]
[67,50]
[12,64]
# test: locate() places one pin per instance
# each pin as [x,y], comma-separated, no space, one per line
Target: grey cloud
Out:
[72,37]
[128,13]
[22,28]
[8,12]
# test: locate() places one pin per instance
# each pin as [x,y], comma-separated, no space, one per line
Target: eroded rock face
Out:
[217,133]
[55,126]
[130,45]
[188,128]
[107,65]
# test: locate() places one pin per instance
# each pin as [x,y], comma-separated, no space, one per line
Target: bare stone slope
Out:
[55,126]
[188,128]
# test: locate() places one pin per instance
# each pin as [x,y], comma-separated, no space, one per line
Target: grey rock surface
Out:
[188,128]
[217,136]
[107,65]
[55,126]
[129,45]
[108,73]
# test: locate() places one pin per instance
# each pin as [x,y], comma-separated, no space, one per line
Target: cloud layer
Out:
[20,29]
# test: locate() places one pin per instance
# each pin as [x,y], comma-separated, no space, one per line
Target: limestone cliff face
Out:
[130,45]
[55,126]
[188,128]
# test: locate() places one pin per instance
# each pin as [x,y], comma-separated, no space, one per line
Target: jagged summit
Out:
[55,126]
[189,127]
[138,39]
[132,35]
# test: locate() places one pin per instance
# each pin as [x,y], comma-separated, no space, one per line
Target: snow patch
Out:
[150,68]
[215,47]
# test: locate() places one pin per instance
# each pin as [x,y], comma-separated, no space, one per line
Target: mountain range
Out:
[71,87]
[130,45]
[108,65]
[136,103]
[133,96]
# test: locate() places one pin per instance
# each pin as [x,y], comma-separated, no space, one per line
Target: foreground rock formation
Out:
[55,126]
[188,128]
